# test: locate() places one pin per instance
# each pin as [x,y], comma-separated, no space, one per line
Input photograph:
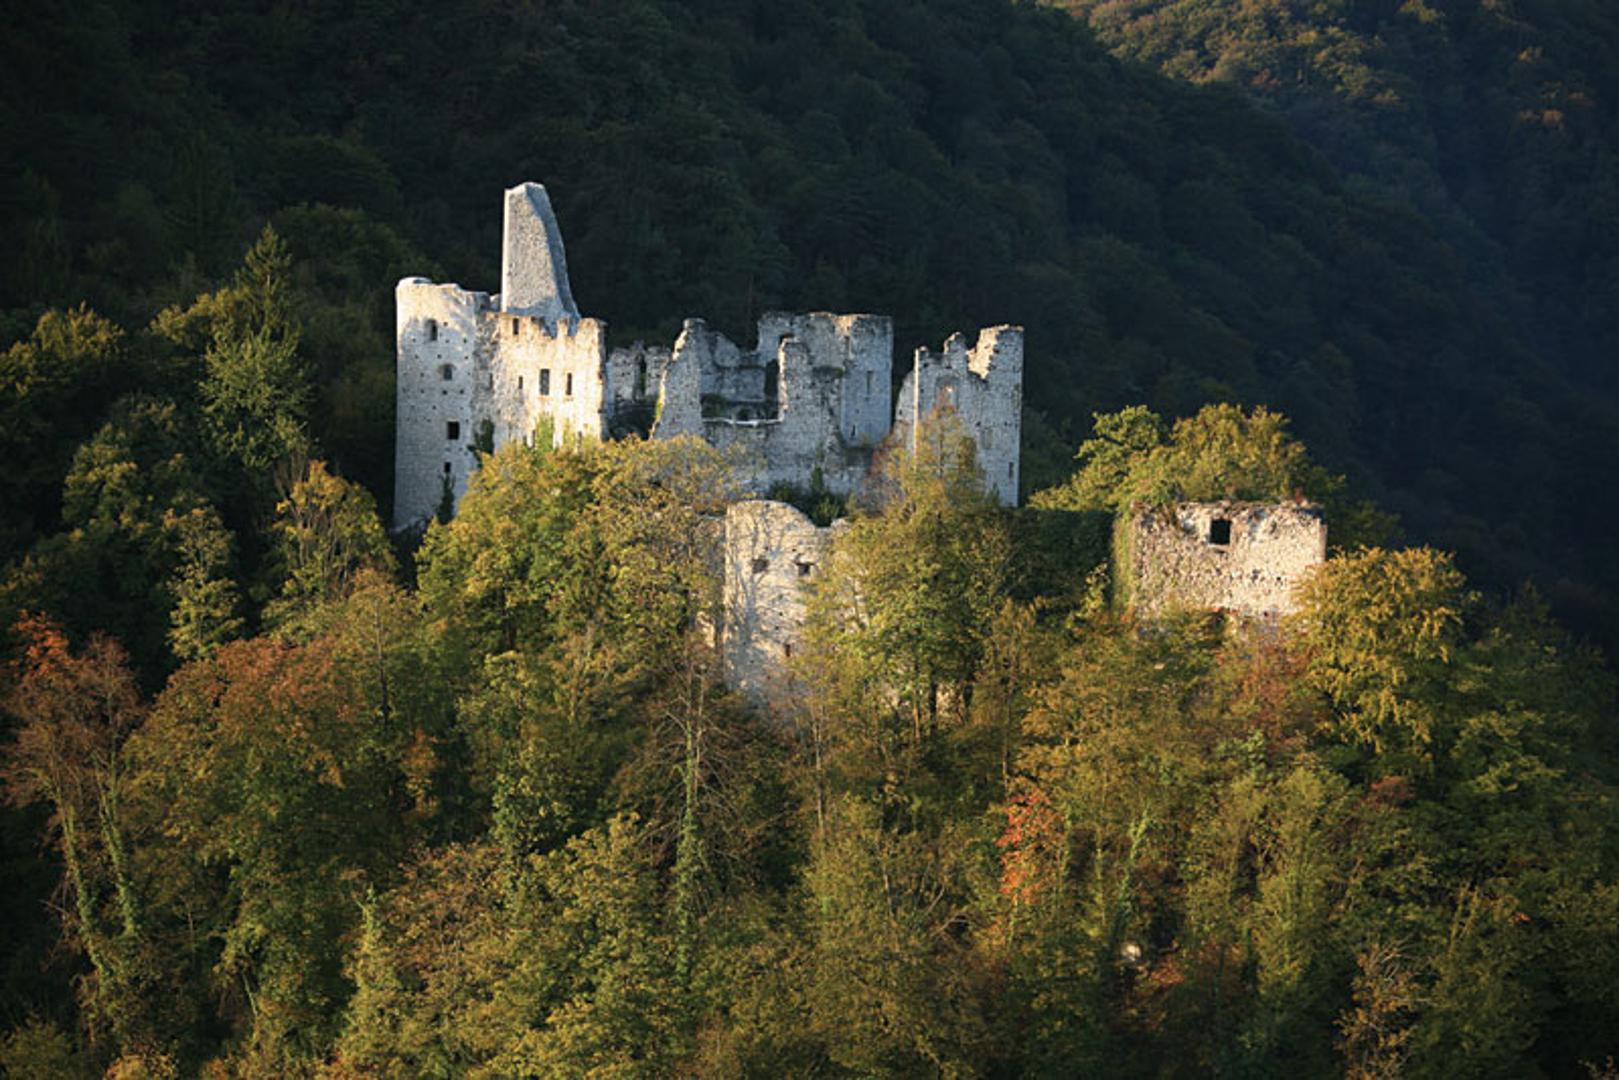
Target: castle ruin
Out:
[1239,557]
[808,404]
[812,399]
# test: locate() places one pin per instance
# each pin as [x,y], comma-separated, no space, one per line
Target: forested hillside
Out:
[287,796]
[1496,121]
[511,824]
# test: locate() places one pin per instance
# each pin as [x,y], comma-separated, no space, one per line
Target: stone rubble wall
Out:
[772,554]
[1173,563]
[634,375]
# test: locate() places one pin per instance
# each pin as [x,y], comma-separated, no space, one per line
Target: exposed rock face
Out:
[809,402]
[1233,556]
[772,553]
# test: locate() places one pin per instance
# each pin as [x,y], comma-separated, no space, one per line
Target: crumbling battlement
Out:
[810,401]
[1241,557]
[772,552]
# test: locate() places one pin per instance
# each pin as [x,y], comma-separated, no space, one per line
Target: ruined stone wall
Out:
[772,553]
[680,391]
[543,371]
[802,441]
[829,407]
[634,375]
[984,385]
[851,357]
[1183,556]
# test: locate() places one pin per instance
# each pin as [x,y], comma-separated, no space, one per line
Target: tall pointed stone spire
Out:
[533,265]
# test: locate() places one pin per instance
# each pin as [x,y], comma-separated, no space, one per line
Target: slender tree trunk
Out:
[83,902]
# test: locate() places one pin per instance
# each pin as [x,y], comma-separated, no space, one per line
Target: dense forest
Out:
[288,796]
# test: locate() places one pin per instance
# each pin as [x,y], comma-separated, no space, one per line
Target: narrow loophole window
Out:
[519,382]
[446,372]
[545,382]
[1220,532]
[787,650]
[432,329]
[517,328]
[452,430]
[446,468]
[567,386]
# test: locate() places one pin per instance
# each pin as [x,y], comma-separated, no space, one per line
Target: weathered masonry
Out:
[772,553]
[1240,557]
[812,397]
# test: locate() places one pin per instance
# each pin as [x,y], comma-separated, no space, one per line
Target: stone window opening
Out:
[1009,470]
[452,430]
[432,329]
[1220,532]
[760,564]
[787,650]
[446,372]
[773,376]
[868,384]
[517,328]
[804,569]
[640,378]
[545,382]
[567,385]
[519,382]
[446,468]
